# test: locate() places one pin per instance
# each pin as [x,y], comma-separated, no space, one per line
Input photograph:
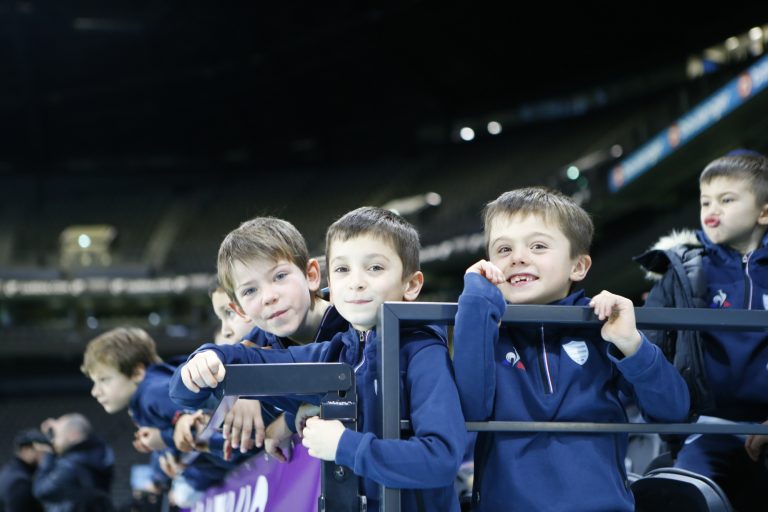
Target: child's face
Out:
[535,258]
[112,389]
[274,295]
[730,214]
[233,326]
[365,271]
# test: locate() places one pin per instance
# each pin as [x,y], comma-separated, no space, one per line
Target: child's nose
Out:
[518,257]
[357,280]
[269,295]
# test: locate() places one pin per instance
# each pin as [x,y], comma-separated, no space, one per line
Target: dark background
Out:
[175,121]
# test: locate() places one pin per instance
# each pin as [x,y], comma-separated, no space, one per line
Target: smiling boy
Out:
[538,246]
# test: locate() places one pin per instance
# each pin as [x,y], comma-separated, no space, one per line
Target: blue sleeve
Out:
[431,457]
[657,386]
[481,307]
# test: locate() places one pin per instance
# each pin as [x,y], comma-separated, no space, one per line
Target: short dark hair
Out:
[383,224]
[267,238]
[552,206]
[123,348]
[750,167]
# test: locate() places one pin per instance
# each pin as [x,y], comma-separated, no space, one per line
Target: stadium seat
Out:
[672,489]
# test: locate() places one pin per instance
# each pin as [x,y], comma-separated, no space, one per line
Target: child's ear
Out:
[580,267]
[234,306]
[413,286]
[763,218]
[313,275]
[138,373]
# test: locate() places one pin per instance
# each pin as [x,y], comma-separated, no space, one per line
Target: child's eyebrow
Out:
[535,234]
[250,282]
[364,256]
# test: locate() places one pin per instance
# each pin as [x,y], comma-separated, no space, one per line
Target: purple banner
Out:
[265,485]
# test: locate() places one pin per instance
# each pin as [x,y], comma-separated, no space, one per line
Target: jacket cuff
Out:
[477,285]
[348,446]
[637,363]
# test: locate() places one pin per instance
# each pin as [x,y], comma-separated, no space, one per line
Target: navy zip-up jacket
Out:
[735,364]
[151,406]
[552,374]
[423,465]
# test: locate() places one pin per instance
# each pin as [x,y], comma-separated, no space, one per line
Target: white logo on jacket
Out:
[577,350]
[765,301]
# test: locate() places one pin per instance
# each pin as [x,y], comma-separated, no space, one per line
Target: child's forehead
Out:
[361,244]
[102,369]
[255,267]
[721,184]
[522,222]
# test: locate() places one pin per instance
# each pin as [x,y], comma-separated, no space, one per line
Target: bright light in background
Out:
[84,241]
[92,323]
[732,43]
[756,33]
[467,133]
[573,173]
[433,198]
[154,319]
[494,128]
[616,151]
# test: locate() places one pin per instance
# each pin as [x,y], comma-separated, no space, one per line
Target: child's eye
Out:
[503,249]
[280,276]
[340,269]
[538,247]
[247,291]
[229,313]
[376,268]
[704,204]
[728,200]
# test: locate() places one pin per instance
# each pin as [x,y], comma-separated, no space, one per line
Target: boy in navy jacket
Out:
[373,256]
[127,373]
[538,243]
[288,310]
[723,266]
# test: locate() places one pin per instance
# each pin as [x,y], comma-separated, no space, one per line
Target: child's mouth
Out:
[712,222]
[521,279]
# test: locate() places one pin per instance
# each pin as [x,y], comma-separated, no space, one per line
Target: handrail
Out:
[393,315]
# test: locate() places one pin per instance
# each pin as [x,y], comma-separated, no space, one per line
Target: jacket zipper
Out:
[747,280]
[363,338]
[545,366]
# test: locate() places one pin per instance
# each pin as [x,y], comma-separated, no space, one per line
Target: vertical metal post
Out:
[389,395]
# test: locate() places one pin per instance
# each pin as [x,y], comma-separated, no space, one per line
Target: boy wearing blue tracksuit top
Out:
[725,265]
[538,243]
[127,373]
[373,256]
[290,310]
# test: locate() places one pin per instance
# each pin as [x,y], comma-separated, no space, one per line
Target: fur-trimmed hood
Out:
[653,260]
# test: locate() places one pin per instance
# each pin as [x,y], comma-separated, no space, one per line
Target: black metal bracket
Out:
[334,381]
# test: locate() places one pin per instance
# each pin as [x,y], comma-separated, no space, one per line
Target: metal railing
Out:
[394,315]
[335,382]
